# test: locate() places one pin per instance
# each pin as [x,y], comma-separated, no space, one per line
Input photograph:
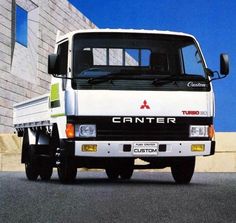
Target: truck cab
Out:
[117,96]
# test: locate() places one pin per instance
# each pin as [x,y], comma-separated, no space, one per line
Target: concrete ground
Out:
[147,197]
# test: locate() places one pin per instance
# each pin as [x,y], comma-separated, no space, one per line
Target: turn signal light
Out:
[70,130]
[211,131]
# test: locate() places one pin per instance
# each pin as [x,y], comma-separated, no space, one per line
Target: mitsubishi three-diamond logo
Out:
[145,105]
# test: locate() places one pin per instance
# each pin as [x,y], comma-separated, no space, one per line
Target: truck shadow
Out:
[106,182]
[99,178]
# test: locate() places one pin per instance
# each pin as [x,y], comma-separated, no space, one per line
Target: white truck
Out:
[116,96]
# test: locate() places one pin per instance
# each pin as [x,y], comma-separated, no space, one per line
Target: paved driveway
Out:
[147,197]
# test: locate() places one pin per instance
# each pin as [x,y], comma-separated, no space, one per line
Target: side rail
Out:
[31,113]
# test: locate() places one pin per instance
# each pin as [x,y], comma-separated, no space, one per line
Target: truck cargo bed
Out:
[32,112]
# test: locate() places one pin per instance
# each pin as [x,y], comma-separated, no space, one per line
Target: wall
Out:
[6,34]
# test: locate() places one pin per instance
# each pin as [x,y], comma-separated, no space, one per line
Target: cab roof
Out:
[142,31]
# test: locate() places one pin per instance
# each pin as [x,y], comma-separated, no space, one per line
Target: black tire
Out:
[126,174]
[67,173]
[32,171]
[112,173]
[182,170]
[126,169]
[45,172]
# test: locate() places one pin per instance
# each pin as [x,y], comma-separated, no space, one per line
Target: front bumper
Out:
[116,149]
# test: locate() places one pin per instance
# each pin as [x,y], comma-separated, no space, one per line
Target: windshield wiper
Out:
[129,75]
[113,76]
[176,78]
[166,80]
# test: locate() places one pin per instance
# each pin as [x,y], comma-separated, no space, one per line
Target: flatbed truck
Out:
[117,96]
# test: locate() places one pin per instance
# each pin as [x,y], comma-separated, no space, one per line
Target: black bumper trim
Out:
[213,145]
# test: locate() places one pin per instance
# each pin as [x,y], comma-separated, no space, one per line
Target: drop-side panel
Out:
[32,112]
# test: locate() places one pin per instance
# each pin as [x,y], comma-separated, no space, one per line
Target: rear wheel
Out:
[182,170]
[31,170]
[45,171]
[126,169]
[31,164]
[112,173]
[120,167]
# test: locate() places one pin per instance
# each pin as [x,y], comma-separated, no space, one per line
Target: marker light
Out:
[211,131]
[89,148]
[198,148]
[70,130]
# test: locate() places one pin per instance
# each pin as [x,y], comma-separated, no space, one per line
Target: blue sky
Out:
[212,22]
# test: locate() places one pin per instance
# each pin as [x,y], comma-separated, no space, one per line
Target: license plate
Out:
[143,149]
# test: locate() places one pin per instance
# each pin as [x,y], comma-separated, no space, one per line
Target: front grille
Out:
[106,130]
[143,133]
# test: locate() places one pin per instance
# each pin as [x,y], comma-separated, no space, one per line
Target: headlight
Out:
[85,131]
[198,131]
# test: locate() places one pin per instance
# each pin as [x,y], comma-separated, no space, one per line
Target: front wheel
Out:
[182,170]
[67,172]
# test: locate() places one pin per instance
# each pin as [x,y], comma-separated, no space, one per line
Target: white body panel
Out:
[33,112]
[128,103]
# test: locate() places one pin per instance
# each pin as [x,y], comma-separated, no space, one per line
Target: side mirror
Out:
[224,64]
[53,64]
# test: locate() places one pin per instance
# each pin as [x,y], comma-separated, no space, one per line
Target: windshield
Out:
[132,59]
